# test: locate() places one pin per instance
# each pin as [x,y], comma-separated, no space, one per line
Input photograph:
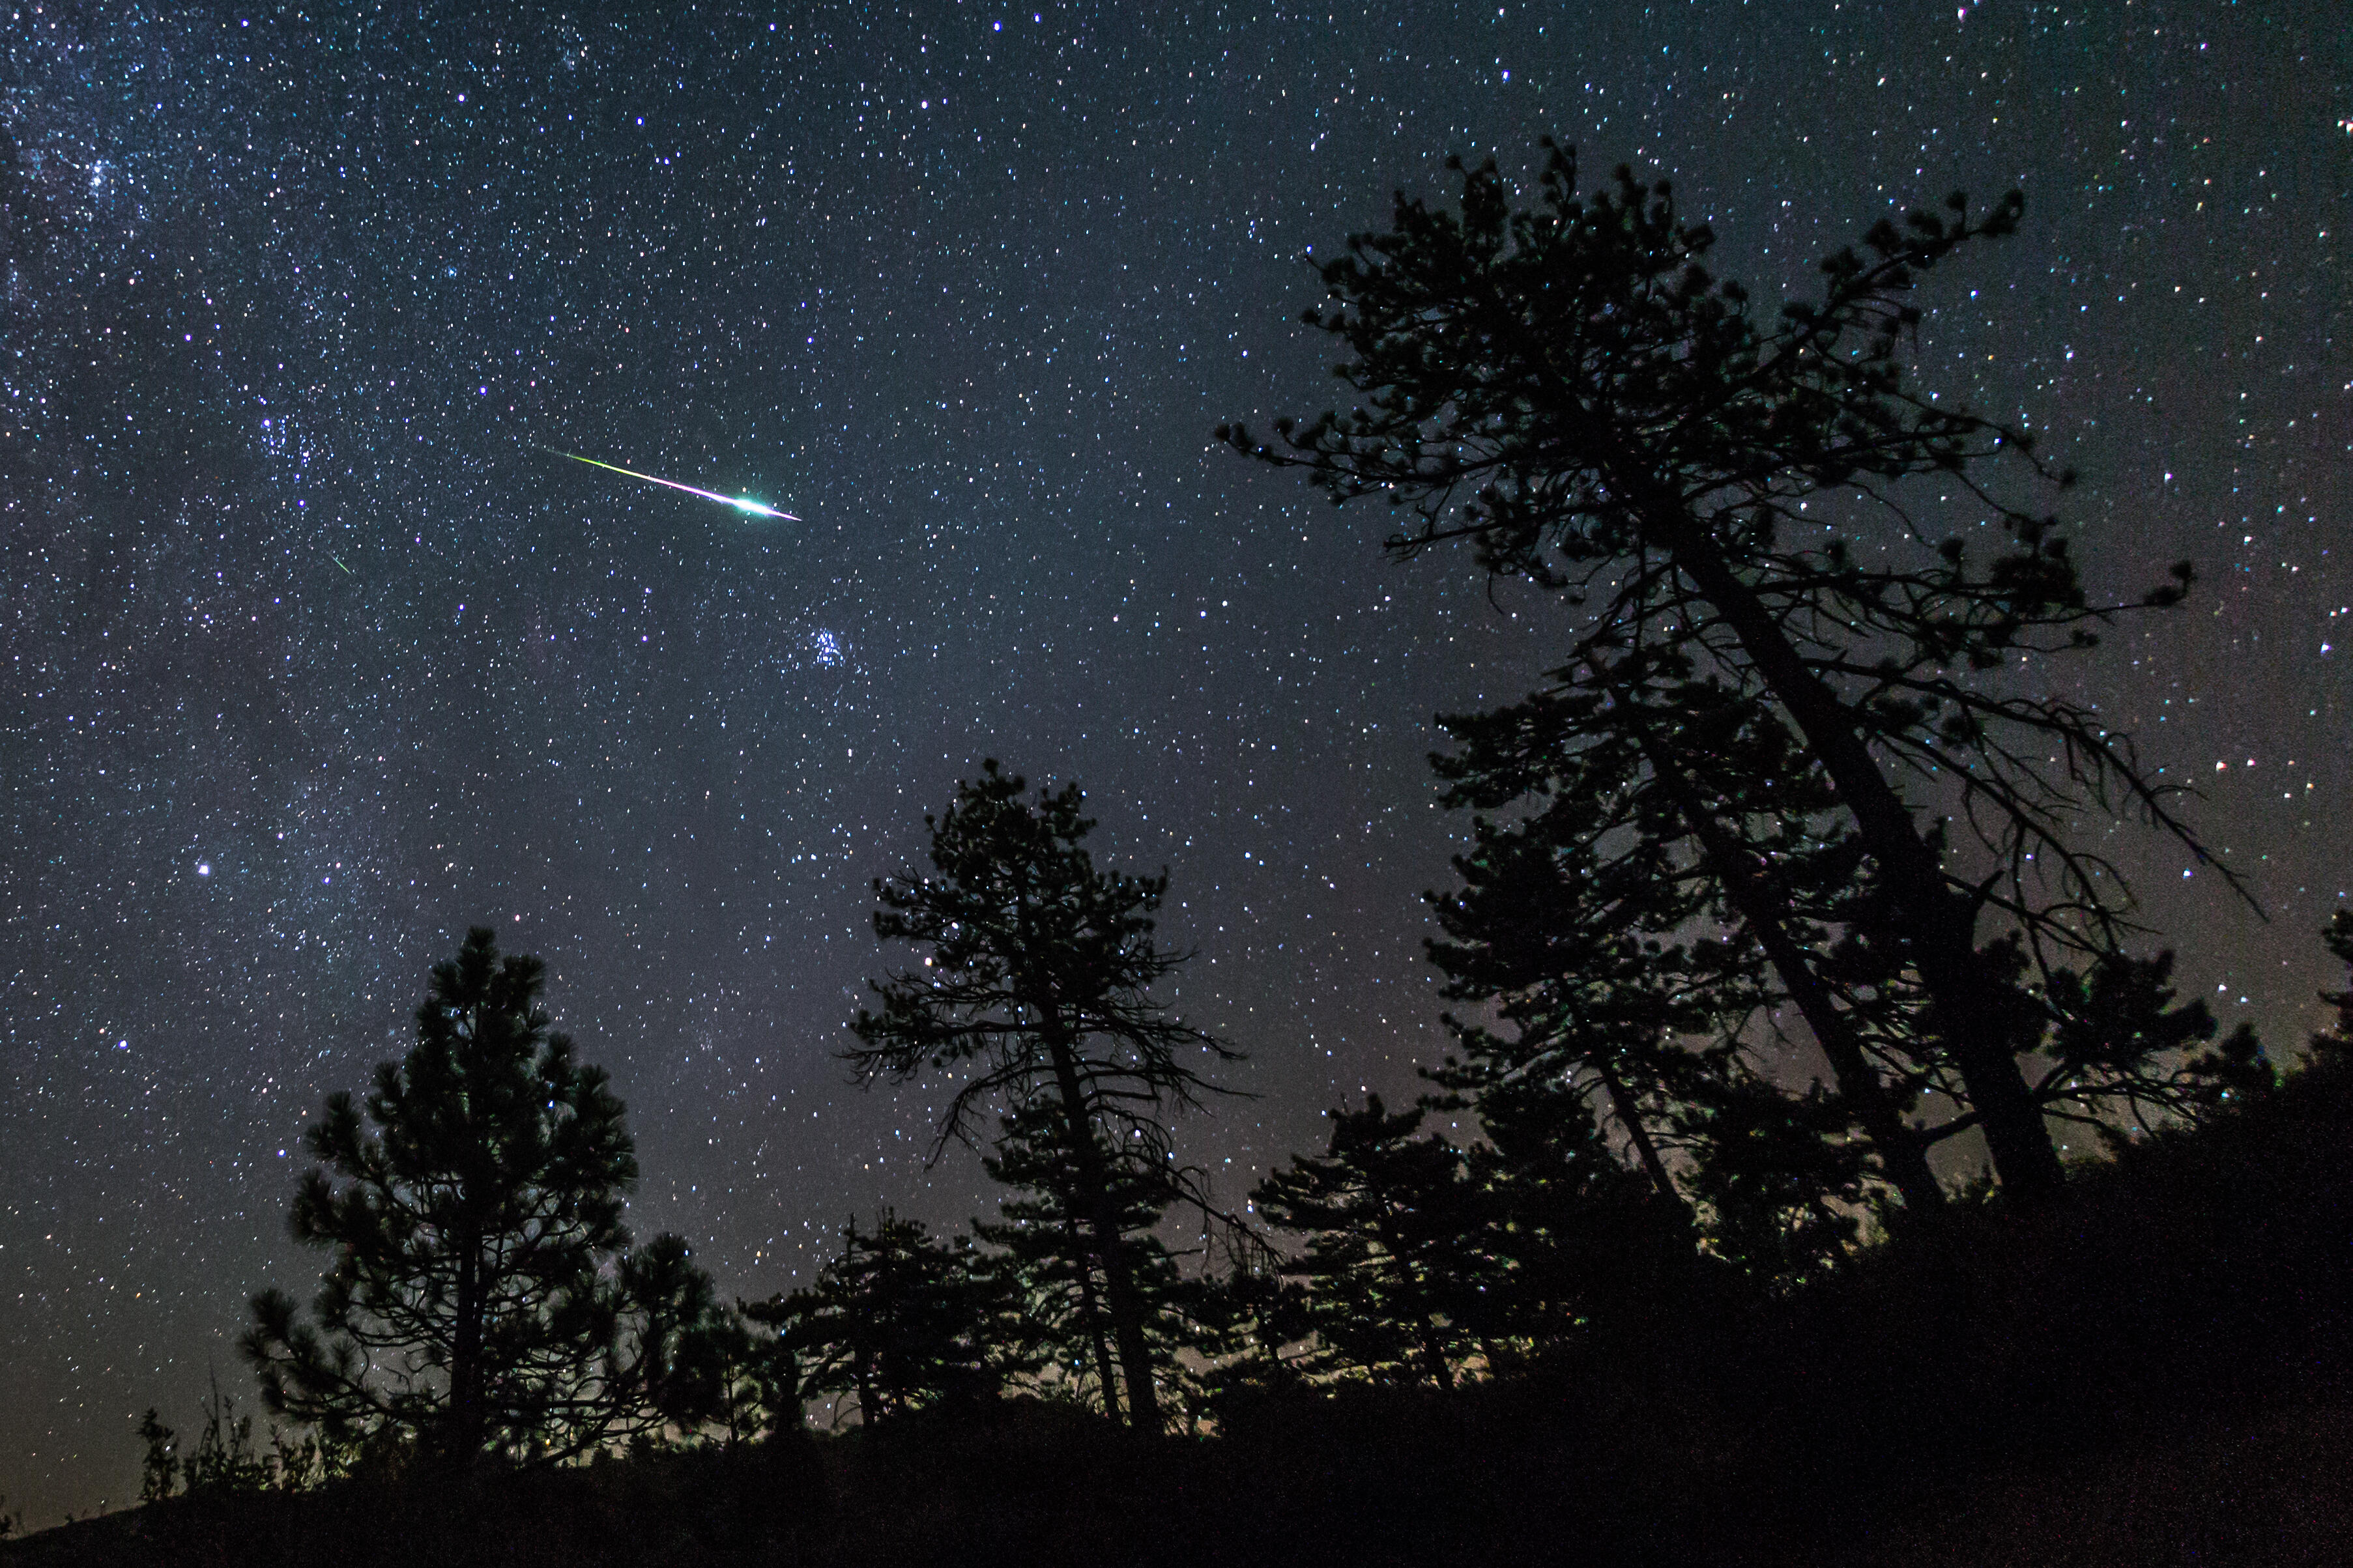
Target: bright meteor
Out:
[741,503]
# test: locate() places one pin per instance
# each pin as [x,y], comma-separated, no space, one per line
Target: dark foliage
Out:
[2338,1036]
[1673,875]
[897,1322]
[2153,1372]
[1047,1258]
[225,1457]
[1566,388]
[1253,1330]
[482,1298]
[1034,991]
[1394,1269]
[1672,880]
[1575,1241]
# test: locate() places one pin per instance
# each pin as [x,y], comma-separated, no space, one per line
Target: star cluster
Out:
[311,656]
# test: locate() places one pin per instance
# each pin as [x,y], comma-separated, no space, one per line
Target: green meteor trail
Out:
[741,503]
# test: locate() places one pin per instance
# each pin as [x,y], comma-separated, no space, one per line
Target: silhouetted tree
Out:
[2109,1022]
[2339,937]
[1589,926]
[1632,929]
[1675,879]
[159,1465]
[737,1379]
[1045,1241]
[1682,820]
[225,1460]
[1674,875]
[1035,988]
[1587,975]
[1571,1234]
[896,1321]
[1566,388]
[1395,1274]
[696,1369]
[482,1298]
[1250,1331]
[1778,1179]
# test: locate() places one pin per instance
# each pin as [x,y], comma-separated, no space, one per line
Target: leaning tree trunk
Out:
[1901,1149]
[1119,1287]
[1646,1148]
[1966,1014]
[1091,1306]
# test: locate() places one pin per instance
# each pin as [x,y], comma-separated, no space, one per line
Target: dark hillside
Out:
[2152,1372]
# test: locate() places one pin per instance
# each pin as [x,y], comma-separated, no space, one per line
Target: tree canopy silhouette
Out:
[1394,1268]
[1044,1241]
[2338,1039]
[1670,880]
[1671,872]
[1568,389]
[896,1320]
[1034,991]
[484,1298]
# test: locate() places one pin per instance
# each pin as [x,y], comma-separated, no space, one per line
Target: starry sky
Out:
[310,657]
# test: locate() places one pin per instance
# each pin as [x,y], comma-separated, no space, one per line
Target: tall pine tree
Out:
[1672,878]
[1568,389]
[1051,1259]
[1034,991]
[1395,1274]
[483,1298]
[896,1321]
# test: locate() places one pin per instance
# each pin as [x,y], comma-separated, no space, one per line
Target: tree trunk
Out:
[1434,1364]
[1119,1289]
[1901,1151]
[1433,1357]
[1093,1307]
[465,1417]
[1629,1115]
[1967,1013]
[861,1373]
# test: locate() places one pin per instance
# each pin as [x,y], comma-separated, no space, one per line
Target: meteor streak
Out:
[741,503]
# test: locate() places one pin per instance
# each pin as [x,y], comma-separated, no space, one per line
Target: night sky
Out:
[309,658]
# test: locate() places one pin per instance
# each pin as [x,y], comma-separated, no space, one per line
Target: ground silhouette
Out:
[2151,1371]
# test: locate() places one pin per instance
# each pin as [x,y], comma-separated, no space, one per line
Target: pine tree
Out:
[1676,882]
[483,1298]
[896,1321]
[1568,389]
[2119,1014]
[741,1381]
[1035,988]
[2337,1040]
[1673,888]
[1779,1182]
[1572,1236]
[1250,1332]
[1395,1277]
[1051,1260]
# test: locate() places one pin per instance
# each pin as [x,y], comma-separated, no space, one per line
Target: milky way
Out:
[309,661]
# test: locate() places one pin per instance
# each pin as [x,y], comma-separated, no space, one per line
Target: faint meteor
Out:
[741,503]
